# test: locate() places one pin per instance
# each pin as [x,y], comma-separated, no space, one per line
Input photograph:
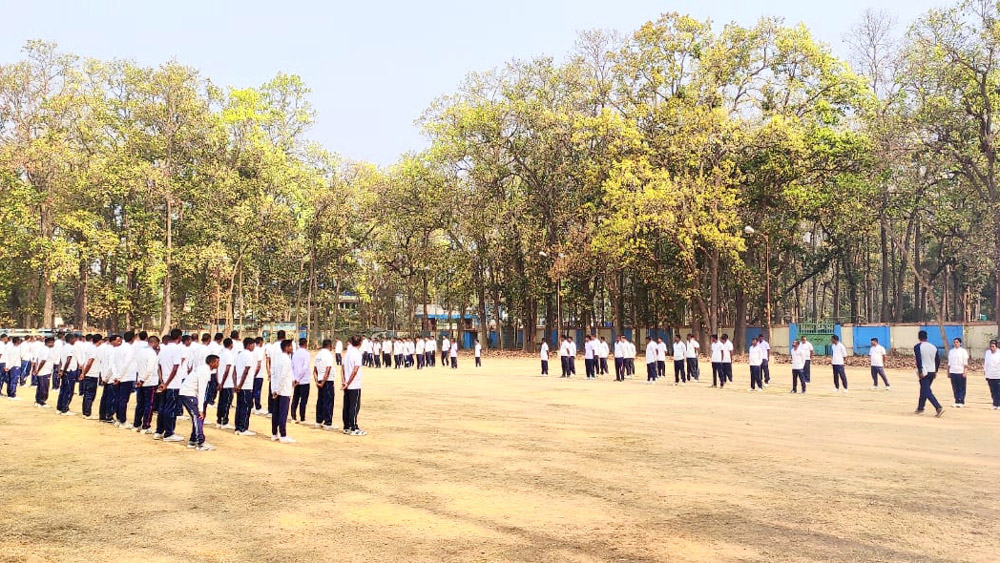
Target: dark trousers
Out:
[679,373]
[717,373]
[166,419]
[324,404]
[755,378]
[421,358]
[661,368]
[338,358]
[602,366]
[572,365]
[651,371]
[66,388]
[876,372]
[727,373]
[272,403]
[42,389]
[590,367]
[244,401]
[258,384]
[926,394]
[212,391]
[564,364]
[444,358]
[619,369]
[798,376]
[454,362]
[629,366]
[692,367]
[377,358]
[225,404]
[429,358]
[197,424]
[994,391]
[352,406]
[839,376]
[88,388]
[144,407]
[958,387]
[545,367]
[109,402]
[279,419]
[766,372]
[300,397]
[807,371]
[13,378]
[125,389]
[479,361]
[56,379]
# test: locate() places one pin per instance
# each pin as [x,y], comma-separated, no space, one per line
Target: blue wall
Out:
[934,335]
[752,332]
[863,338]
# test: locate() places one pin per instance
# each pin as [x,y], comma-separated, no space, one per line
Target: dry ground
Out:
[499,464]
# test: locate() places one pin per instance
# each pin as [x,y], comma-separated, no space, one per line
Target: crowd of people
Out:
[181,373]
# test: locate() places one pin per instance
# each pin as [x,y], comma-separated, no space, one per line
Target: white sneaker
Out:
[69,413]
[129,427]
[173,438]
[192,445]
[238,433]
[149,431]
[227,427]
[157,436]
[327,427]
[346,431]
[359,432]
[37,405]
[296,421]
[888,388]
[137,428]
[286,440]
[845,391]
[206,447]
[274,437]
[249,433]
[45,406]
[767,385]
[874,387]
[268,415]
[317,426]
[14,398]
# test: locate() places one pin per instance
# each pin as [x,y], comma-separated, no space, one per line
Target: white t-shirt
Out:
[661,351]
[196,385]
[765,349]
[68,358]
[445,344]
[798,358]
[339,347]
[226,361]
[603,350]
[679,350]
[756,357]
[543,353]
[454,349]
[170,357]
[837,354]
[692,348]
[652,352]
[353,360]
[877,354]
[807,349]
[259,367]
[727,352]
[716,352]
[572,347]
[48,355]
[146,366]
[479,350]
[324,361]
[588,350]
[958,360]
[991,364]
[281,374]
[123,363]
[244,360]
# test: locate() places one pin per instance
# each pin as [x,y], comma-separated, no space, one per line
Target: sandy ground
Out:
[498,464]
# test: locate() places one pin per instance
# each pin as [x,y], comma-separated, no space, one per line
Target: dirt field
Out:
[499,464]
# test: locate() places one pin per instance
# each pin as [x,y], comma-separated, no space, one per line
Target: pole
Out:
[559,327]
[767,284]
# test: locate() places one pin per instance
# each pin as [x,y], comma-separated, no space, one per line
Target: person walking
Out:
[991,368]
[877,360]
[838,353]
[928,362]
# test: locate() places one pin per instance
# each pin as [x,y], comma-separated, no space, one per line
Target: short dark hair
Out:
[143,335]
[327,343]
[875,340]
[247,341]
[286,344]
[303,342]
[227,343]
[922,335]
[211,358]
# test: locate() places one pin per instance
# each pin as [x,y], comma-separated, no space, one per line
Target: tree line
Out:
[649,180]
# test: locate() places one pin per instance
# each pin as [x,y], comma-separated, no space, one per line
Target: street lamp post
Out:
[767,278]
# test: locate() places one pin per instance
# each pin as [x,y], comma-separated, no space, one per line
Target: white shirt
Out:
[259,366]
[807,349]
[716,352]
[272,351]
[572,347]
[479,350]
[421,347]
[339,347]
[196,385]
[727,352]
[454,349]
[630,350]
[67,358]
[102,362]
[227,361]
[661,351]
[12,357]
[837,354]
[324,361]
[123,363]
[765,349]
[958,360]
[798,358]
[281,374]
[756,357]
[619,349]
[652,352]
[692,348]
[588,350]
[445,344]
[680,350]
[353,360]
[564,349]
[48,355]
[603,350]
[927,353]
[991,364]
[146,366]
[543,353]
[431,345]
[170,357]
[877,354]
[244,361]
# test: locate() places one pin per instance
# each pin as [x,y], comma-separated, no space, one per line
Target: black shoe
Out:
[918,411]
[940,412]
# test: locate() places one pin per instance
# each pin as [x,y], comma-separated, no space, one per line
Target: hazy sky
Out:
[374,66]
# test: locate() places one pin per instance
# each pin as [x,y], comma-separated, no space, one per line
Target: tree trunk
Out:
[883,315]
[81,296]
[165,317]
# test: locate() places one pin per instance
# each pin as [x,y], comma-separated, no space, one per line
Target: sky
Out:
[374,67]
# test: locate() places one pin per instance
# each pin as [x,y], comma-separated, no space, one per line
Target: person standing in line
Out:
[652,361]
[630,353]
[272,353]
[692,347]
[123,374]
[445,351]
[215,348]
[454,354]
[109,392]
[958,365]
[45,361]
[338,352]
[431,349]
[727,359]
[13,357]
[4,346]
[325,379]
[765,356]
[603,351]
[877,354]
[169,366]
[226,375]
[807,352]
[92,376]
[798,364]
[70,371]
[245,382]
[543,355]
[838,353]
[58,344]
[376,353]
[755,358]
[84,350]
[282,378]
[588,357]
[300,383]
[259,370]
[351,377]
[564,355]
[28,352]
[146,382]
[928,361]
[661,358]
[572,355]
[421,350]
[991,368]
[193,394]
[478,352]
[716,361]
[680,351]
[620,358]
